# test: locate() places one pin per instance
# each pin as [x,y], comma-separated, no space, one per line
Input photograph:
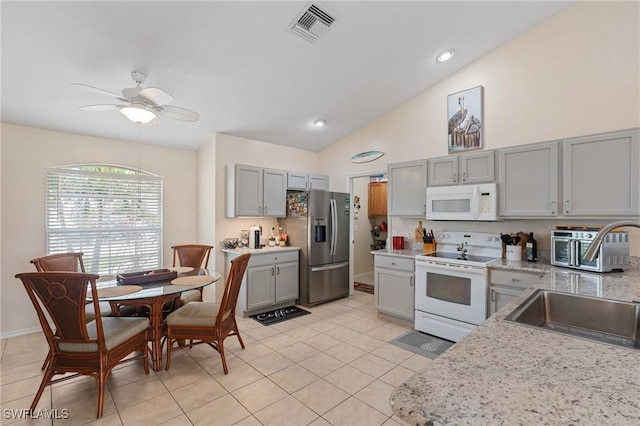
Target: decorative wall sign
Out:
[464,111]
[367,156]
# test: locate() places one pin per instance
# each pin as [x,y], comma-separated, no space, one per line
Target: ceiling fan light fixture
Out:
[444,55]
[138,113]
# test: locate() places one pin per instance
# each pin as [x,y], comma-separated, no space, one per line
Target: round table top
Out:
[163,287]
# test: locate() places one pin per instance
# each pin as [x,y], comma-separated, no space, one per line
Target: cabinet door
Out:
[377,201]
[248,191]
[600,175]
[529,181]
[318,182]
[477,168]
[286,281]
[395,293]
[443,171]
[500,296]
[407,188]
[297,180]
[275,193]
[261,285]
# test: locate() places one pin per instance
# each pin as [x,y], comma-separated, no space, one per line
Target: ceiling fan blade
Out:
[99,107]
[156,96]
[177,113]
[99,91]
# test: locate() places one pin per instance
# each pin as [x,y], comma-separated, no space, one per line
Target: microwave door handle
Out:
[475,201]
[576,260]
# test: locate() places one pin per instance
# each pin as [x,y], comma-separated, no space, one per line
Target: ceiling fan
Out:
[141,106]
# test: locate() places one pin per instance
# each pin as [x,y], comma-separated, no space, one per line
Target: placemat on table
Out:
[180,269]
[116,290]
[192,280]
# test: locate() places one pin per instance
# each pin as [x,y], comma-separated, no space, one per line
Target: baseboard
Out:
[20,332]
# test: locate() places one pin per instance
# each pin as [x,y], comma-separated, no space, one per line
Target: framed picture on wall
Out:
[464,113]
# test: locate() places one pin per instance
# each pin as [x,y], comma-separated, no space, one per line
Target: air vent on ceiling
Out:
[311,23]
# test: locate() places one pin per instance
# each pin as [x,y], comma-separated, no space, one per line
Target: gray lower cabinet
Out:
[270,282]
[504,286]
[394,282]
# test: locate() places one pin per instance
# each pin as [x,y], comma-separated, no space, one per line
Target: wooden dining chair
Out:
[210,323]
[76,346]
[193,256]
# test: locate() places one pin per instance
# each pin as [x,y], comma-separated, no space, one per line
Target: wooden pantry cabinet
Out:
[377,201]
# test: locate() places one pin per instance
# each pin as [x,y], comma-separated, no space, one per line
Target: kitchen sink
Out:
[602,320]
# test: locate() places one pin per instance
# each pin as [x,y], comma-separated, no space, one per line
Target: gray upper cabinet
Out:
[305,181]
[528,185]
[318,182]
[600,175]
[254,191]
[407,188]
[462,169]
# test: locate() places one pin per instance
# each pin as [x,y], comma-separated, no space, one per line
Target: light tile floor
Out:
[333,367]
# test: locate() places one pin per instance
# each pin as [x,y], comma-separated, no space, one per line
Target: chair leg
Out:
[48,374]
[220,347]
[169,345]
[145,360]
[102,381]
[235,328]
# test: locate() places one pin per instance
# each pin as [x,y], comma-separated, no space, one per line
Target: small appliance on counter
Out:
[570,243]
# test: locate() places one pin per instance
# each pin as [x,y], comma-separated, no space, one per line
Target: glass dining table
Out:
[156,297]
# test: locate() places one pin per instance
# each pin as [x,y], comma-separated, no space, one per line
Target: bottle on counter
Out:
[531,249]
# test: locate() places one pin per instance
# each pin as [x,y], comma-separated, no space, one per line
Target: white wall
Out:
[362,257]
[575,74]
[27,153]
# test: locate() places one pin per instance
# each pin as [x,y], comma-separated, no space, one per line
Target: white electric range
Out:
[451,283]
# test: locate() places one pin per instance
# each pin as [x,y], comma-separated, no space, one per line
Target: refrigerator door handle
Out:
[332,266]
[334,224]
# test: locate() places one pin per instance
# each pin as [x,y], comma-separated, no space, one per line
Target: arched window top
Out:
[106,168]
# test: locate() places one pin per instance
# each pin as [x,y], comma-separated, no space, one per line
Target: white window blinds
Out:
[112,215]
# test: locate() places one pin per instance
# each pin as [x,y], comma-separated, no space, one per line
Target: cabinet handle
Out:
[455,178]
[260,209]
[515,280]
[411,281]
[393,263]
[567,206]
[464,176]
[272,271]
[493,295]
[278,270]
[553,207]
[265,209]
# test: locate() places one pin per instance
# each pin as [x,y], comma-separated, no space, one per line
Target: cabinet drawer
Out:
[514,279]
[274,257]
[395,262]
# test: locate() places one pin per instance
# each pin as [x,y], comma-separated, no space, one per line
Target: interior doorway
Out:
[368,226]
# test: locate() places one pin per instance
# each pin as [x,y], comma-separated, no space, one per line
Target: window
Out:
[111,214]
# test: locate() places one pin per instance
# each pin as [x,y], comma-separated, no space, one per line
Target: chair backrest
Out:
[71,262]
[232,288]
[192,255]
[63,295]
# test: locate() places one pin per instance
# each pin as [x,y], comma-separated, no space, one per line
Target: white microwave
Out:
[463,202]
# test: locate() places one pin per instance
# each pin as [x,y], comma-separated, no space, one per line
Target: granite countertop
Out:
[505,373]
[264,250]
[400,253]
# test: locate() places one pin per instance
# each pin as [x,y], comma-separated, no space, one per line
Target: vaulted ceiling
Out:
[238,65]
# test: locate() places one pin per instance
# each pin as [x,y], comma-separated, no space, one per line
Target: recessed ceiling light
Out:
[444,56]
[319,123]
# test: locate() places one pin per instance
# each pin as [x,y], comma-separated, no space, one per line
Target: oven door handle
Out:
[452,267]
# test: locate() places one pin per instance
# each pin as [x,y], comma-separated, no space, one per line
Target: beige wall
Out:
[362,257]
[575,74]
[27,153]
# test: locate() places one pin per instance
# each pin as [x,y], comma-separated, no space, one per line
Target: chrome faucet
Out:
[597,240]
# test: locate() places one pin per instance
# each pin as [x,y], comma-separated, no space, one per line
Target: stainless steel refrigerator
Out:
[318,222]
